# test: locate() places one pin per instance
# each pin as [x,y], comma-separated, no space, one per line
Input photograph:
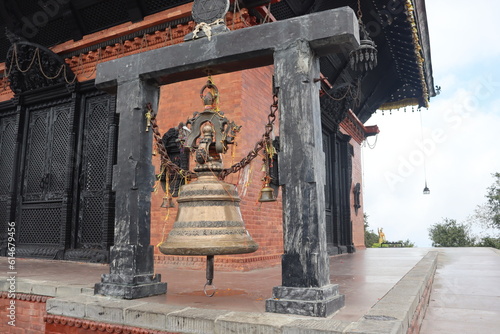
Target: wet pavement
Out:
[465,296]
[363,277]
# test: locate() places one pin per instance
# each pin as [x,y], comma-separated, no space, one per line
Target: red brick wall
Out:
[31,318]
[65,325]
[358,231]
[28,314]
[245,98]
[418,316]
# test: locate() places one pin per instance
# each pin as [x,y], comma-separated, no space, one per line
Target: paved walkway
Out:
[465,296]
[364,277]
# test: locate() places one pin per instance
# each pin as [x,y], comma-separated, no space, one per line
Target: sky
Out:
[453,144]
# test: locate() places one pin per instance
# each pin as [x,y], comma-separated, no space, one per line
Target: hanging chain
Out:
[37,56]
[264,142]
[261,144]
[360,14]
[164,158]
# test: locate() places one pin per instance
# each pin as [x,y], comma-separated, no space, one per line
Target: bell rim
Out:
[205,251]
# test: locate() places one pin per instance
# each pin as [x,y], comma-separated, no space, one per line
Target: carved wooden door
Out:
[337,192]
[8,134]
[329,203]
[45,200]
[93,231]
[57,157]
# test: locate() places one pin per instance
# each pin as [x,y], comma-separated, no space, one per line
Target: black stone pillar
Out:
[306,288]
[131,269]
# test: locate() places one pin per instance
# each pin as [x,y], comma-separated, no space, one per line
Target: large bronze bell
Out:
[209,219]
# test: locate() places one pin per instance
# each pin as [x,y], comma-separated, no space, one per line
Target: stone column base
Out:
[313,302]
[139,286]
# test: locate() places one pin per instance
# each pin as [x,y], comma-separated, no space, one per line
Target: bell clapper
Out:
[210,276]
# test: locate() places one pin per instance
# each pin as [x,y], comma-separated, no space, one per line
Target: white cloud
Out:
[462,33]
[462,123]
[460,149]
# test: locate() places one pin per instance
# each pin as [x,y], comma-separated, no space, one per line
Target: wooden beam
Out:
[229,52]
[125,29]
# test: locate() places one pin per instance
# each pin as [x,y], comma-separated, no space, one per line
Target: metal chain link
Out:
[164,158]
[271,118]
[261,144]
[360,14]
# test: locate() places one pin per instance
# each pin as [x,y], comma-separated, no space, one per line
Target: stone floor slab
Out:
[465,296]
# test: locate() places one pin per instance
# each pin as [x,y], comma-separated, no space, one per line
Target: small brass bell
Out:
[267,194]
[167,202]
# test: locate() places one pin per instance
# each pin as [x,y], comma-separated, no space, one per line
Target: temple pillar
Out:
[294,46]
[306,288]
[131,257]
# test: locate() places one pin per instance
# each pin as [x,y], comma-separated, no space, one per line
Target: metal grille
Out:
[328,187]
[52,34]
[35,158]
[28,6]
[95,218]
[281,10]
[326,4]
[113,11]
[91,230]
[40,226]
[60,150]
[94,167]
[7,147]
[96,146]
[4,48]
[4,217]
[154,6]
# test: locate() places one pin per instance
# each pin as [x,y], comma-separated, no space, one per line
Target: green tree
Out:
[450,234]
[493,203]
[489,242]
[407,243]
[370,236]
[487,215]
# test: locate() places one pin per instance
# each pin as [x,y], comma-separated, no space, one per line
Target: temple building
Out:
[60,139]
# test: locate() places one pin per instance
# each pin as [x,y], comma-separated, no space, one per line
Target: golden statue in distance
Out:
[381,236]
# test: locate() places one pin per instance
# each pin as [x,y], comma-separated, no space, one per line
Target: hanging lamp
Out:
[364,58]
[426,189]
